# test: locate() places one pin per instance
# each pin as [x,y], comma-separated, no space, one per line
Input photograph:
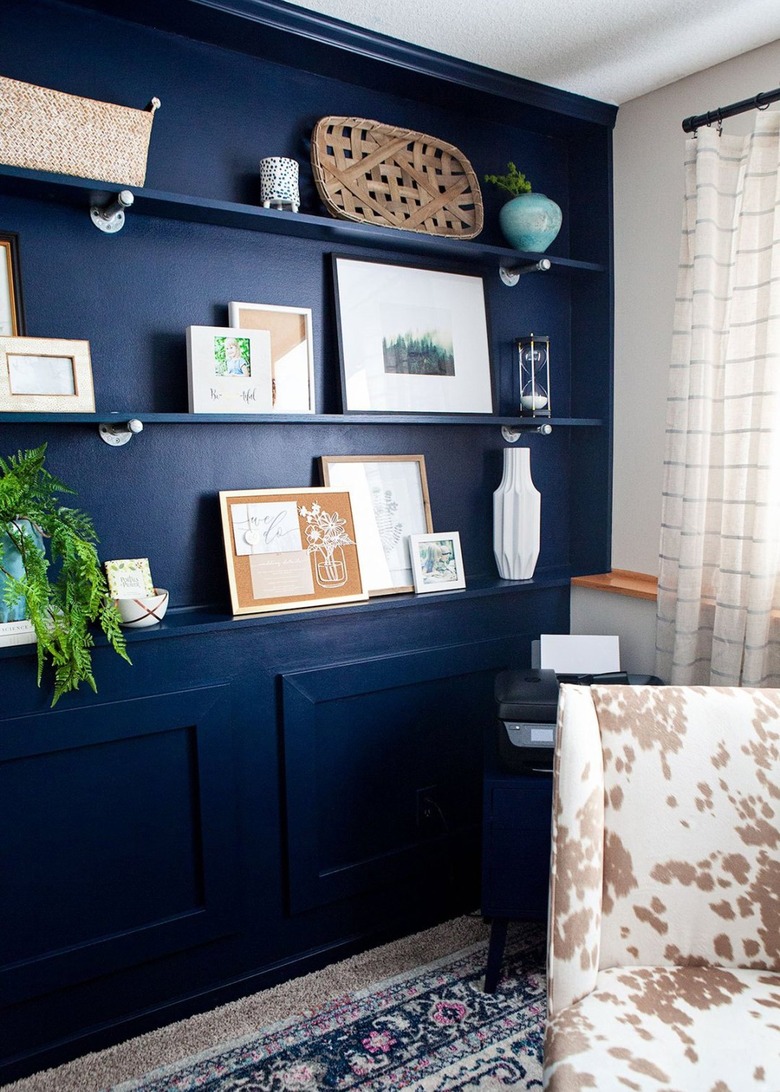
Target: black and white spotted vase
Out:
[279,183]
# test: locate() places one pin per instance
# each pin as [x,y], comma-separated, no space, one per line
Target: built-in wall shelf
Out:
[192,621]
[158,834]
[116,418]
[84,193]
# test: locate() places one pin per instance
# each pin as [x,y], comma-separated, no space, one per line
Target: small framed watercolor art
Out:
[437,562]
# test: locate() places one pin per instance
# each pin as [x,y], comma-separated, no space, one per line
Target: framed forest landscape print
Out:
[389,503]
[288,549]
[411,340]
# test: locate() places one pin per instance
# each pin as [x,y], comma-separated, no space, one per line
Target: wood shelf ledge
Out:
[621,582]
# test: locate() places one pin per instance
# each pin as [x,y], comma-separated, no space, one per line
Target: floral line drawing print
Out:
[326,535]
[385,507]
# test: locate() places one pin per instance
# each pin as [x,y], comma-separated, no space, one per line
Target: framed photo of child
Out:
[229,370]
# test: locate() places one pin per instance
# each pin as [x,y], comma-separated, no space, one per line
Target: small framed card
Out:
[229,370]
[130,578]
[437,562]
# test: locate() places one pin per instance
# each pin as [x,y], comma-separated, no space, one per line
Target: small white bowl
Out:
[145,611]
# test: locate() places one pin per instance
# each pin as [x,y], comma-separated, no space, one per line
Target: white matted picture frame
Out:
[45,375]
[228,370]
[292,351]
[390,502]
[411,340]
[437,562]
[290,548]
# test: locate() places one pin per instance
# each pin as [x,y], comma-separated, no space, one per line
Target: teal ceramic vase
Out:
[11,563]
[530,221]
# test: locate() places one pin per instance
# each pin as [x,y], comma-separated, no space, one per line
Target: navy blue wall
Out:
[133,295]
[268,767]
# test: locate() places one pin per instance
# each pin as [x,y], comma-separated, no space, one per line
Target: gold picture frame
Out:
[11,310]
[45,375]
[390,502]
[290,548]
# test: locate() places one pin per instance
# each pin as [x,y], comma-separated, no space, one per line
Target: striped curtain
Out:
[718,587]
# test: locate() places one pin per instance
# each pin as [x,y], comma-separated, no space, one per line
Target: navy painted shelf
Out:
[82,192]
[189,621]
[117,416]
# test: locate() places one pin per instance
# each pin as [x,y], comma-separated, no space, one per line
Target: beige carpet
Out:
[134,1058]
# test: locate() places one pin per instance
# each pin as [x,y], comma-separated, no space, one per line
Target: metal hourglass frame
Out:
[533,357]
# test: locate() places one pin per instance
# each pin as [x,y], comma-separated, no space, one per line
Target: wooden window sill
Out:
[621,582]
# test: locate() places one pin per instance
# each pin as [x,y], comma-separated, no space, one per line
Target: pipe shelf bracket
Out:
[111,218]
[511,274]
[120,434]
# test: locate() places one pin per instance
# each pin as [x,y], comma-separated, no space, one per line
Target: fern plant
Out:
[65,592]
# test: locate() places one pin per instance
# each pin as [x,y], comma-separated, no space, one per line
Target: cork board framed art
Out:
[290,548]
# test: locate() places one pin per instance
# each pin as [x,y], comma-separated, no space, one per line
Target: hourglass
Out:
[534,361]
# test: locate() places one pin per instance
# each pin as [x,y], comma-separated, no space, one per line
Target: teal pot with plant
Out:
[529,221]
[60,589]
[13,607]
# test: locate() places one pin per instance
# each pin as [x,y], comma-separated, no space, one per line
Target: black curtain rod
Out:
[758,102]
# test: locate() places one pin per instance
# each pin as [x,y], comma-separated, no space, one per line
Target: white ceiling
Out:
[611,50]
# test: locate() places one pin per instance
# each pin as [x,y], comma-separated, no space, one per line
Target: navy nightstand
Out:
[517,811]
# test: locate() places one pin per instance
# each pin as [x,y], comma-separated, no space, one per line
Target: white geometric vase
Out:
[517,512]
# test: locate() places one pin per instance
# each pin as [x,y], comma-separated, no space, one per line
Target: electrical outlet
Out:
[428,810]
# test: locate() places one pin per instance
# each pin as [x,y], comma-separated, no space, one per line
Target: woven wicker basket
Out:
[378,174]
[45,130]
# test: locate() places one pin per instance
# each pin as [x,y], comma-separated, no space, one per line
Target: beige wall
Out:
[648,180]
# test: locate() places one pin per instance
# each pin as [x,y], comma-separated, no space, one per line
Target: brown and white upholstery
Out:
[664,931]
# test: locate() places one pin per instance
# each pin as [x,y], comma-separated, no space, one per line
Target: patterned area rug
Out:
[432,1029]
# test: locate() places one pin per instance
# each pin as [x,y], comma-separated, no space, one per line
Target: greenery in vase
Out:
[63,594]
[513,181]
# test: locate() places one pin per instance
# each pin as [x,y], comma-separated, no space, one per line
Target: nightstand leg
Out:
[495,953]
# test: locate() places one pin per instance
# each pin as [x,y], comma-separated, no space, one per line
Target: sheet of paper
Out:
[282,574]
[579,654]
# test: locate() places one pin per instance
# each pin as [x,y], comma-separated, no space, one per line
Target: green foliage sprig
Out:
[65,592]
[513,182]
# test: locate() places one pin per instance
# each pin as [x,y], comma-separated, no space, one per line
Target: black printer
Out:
[528,708]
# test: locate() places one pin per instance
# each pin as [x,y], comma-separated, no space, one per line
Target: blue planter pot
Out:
[11,562]
[530,221]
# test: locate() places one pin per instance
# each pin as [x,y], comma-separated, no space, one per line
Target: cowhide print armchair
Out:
[664,933]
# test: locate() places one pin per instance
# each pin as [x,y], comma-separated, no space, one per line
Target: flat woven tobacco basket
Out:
[379,174]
